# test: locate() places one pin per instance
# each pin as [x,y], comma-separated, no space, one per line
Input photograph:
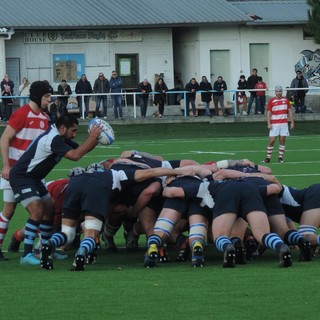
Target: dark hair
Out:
[242,76]
[67,120]
[255,69]
[259,78]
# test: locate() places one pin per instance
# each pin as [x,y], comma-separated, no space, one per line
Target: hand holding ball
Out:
[106,136]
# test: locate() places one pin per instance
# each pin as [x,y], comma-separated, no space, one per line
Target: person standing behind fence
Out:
[252,81]
[206,97]
[24,91]
[299,95]
[278,112]
[261,95]
[101,85]
[241,96]
[116,87]
[160,98]
[219,87]
[64,90]
[6,86]
[145,88]
[83,86]
[192,87]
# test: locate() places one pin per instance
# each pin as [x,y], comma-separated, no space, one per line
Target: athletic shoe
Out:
[30,259]
[163,255]
[59,256]
[79,260]
[105,117]
[240,255]
[267,160]
[46,256]
[285,257]
[2,257]
[131,240]
[306,252]
[184,250]
[251,247]
[151,256]
[110,245]
[244,113]
[229,257]
[280,160]
[91,257]
[14,244]
[197,258]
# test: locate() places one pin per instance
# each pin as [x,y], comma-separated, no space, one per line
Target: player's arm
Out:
[130,153]
[290,116]
[269,119]
[173,192]
[8,134]
[86,146]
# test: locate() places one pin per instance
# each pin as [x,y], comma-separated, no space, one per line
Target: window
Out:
[68,67]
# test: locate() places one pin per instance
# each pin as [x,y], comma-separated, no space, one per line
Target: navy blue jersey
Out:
[42,155]
[296,201]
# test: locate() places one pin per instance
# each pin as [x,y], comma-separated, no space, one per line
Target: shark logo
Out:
[309,65]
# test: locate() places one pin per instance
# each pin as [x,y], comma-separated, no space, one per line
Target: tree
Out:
[313,25]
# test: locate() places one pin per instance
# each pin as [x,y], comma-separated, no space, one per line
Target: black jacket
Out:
[205,86]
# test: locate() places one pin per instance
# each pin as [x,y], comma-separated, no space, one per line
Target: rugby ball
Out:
[106,137]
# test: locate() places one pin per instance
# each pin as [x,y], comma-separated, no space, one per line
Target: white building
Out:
[179,38]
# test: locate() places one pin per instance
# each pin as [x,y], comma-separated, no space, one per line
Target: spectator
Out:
[116,87]
[252,81]
[65,91]
[6,86]
[278,112]
[241,96]
[219,87]
[83,86]
[206,97]
[101,85]
[160,98]
[145,88]
[24,91]
[299,95]
[192,87]
[261,95]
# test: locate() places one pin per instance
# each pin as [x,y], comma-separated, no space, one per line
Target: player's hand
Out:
[95,131]
[291,125]
[5,172]
[127,154]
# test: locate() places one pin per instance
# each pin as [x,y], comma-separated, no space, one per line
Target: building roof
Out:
[48,14]
[274,12]
[94,14]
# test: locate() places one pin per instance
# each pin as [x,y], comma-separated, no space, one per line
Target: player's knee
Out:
[93,224]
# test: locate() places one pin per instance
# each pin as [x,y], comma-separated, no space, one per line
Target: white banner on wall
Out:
[76,36]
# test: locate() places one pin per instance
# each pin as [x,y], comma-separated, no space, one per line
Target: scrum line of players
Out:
[192,202]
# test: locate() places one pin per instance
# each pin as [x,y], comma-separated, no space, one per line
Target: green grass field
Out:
[118,287]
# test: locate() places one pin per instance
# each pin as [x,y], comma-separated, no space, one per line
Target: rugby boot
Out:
[110,245]
[306,251]
[240,254]
[229,257]
[79,260]
[285,257]
[163,255]
[184,250]
[151,256]
[251,246]
[14,245]
[46,259]
[197,257]
[2,257]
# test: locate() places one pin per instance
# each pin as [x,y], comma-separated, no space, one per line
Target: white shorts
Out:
[279,130]
[8,195]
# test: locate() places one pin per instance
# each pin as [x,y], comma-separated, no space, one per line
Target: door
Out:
[259,59]
[128,69]
[13,70]
[219,66]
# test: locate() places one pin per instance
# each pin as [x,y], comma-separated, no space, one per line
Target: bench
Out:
[201,108]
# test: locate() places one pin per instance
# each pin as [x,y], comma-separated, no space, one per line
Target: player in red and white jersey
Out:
[25,124]
[278,113]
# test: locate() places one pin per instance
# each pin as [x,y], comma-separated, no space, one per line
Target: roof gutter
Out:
[7,31]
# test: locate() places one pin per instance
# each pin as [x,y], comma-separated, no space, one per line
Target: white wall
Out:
[155,56]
